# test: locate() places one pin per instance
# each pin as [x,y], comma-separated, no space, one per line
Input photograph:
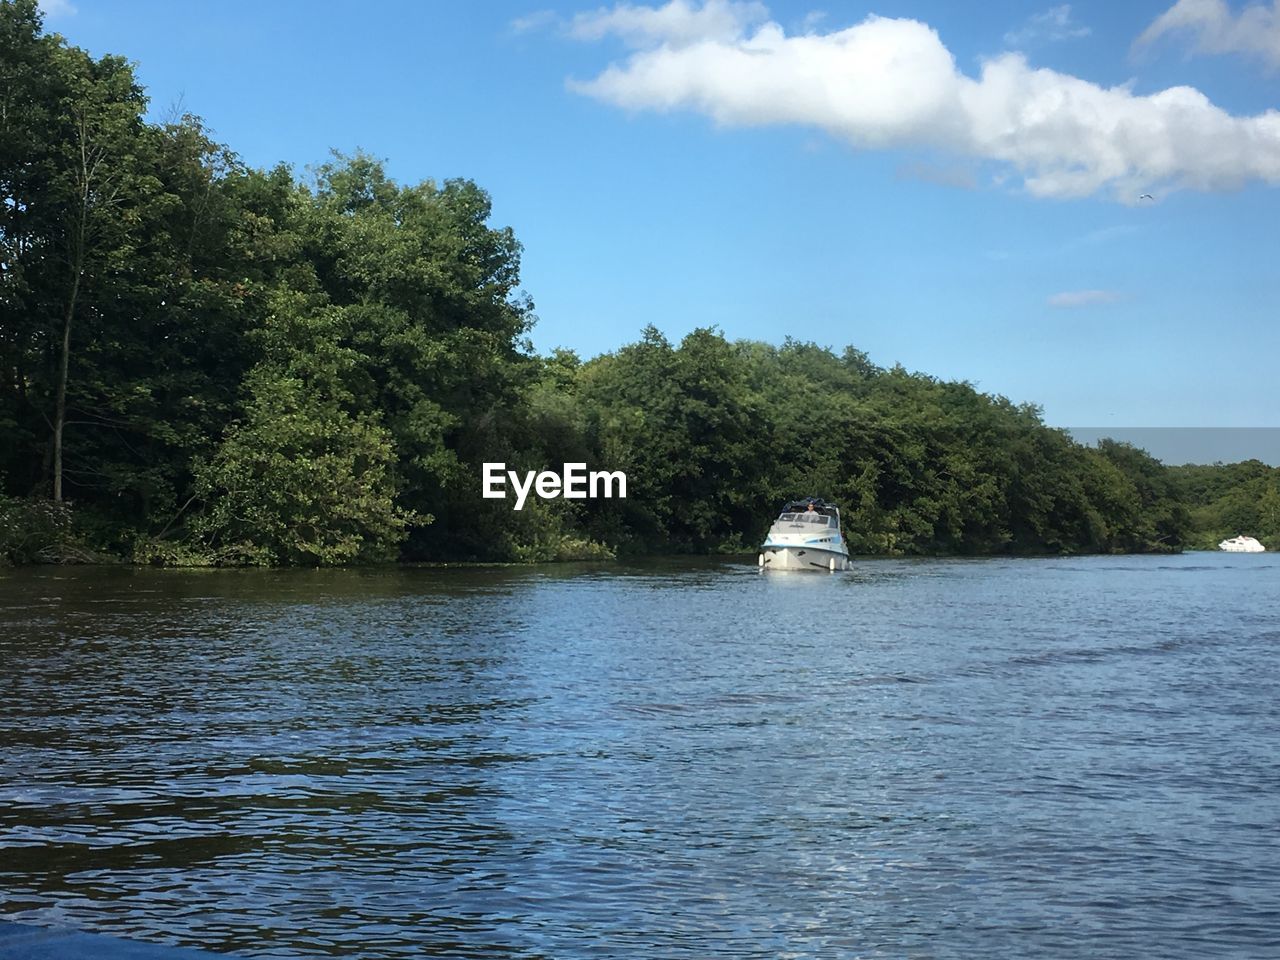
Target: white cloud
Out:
[811,20]
[538,20]
[1051,26]
[1255,31]
[679,23]
[57,8]
[1082,298]
[891,83]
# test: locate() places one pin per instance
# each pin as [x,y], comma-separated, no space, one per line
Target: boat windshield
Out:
[808,518]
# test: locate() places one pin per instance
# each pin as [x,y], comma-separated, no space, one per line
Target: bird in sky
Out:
[1146,196]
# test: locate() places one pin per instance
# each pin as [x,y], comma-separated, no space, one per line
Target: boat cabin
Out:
[807,517]
[822,513]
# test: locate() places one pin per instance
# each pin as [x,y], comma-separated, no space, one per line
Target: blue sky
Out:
[795,169]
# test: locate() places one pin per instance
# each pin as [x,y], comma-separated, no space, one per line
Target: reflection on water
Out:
[934,758]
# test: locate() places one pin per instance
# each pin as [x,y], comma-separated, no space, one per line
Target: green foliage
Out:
[301,481]
[543,532]
[113,234]
[36,531]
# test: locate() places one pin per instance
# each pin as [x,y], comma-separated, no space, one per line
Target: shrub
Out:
[35,530]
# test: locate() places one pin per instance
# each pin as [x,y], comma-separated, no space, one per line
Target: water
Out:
[1049,758]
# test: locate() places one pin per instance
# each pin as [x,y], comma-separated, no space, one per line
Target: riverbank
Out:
[84,558]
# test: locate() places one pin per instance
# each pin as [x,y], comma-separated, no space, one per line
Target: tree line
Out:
[208,363]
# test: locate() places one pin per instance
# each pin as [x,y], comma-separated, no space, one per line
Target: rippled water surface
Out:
[1002,758]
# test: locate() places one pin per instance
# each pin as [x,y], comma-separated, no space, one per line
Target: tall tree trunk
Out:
[60,404]
[77,257]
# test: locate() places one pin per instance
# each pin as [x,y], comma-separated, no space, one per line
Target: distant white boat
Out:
[1241,545]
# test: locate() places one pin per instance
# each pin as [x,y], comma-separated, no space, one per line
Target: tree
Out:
[301,481]
[430,293]
[96,171]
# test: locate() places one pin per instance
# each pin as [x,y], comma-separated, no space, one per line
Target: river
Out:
[1072,757]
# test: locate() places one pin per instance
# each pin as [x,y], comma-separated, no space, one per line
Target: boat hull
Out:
[805,557]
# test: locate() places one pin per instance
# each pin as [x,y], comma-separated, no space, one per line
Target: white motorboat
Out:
[806,536]
[1241,545]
